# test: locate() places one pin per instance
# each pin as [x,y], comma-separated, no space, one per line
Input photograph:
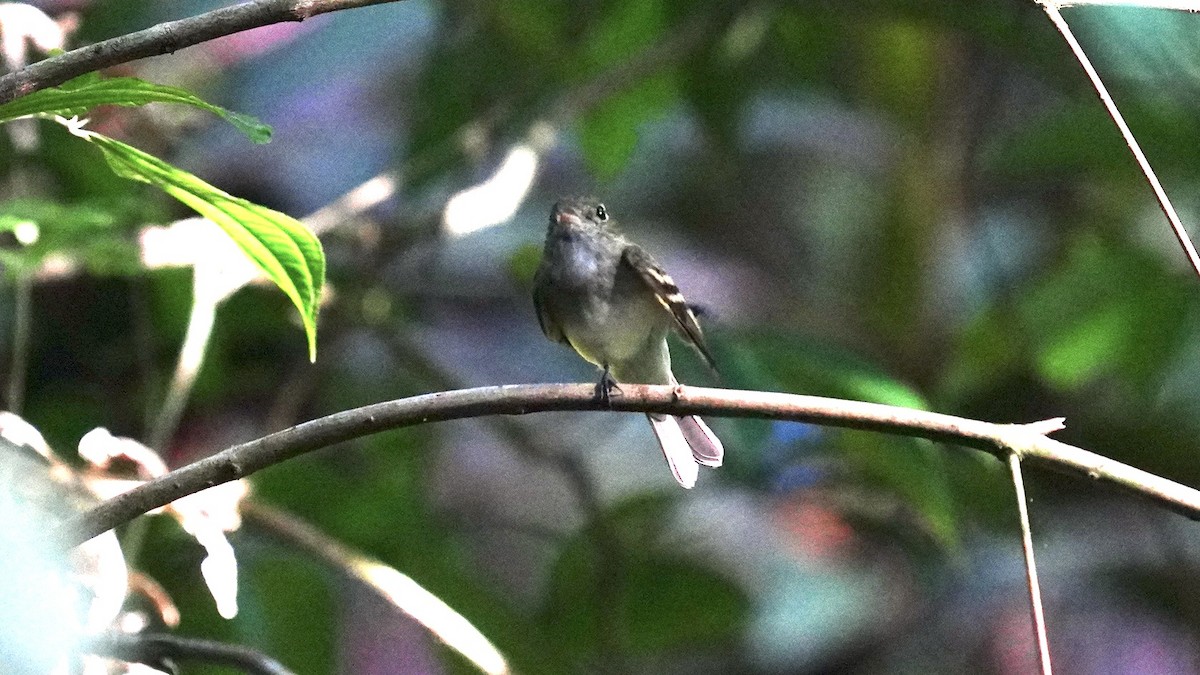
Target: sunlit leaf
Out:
[283,249]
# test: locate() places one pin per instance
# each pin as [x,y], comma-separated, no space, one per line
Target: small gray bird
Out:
[612,303]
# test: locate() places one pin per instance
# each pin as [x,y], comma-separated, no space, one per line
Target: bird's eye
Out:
[601,213]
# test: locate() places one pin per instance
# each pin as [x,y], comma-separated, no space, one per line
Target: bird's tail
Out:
[706,447]
[686,443]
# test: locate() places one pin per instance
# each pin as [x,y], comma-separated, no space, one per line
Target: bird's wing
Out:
[550,327]
[668,295]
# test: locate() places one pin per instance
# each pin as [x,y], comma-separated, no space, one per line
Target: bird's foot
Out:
[605,388]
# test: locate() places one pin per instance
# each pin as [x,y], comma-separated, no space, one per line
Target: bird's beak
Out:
[567,218]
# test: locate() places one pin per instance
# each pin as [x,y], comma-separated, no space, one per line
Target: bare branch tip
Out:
[1047,427]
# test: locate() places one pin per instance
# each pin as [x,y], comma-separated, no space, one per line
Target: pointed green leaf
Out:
[82,94]
[279,245]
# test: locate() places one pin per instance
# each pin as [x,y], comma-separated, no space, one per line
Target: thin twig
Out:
[187,368]
[1051,7]
[19,368]
[166,38]
[155,650]
[246,458]
[1035,590]
[1180,5]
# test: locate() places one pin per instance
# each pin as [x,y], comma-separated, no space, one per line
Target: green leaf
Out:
[53,218]
[671,604]
[523,263]
[288,605]
[84,93]
[911,469]
[780,361]
[1078,138]
[1107,310]
[279,245]
[502,66]
[628,26]
[656,601]
[87,232]
[534,27]
[716,93]
[609,133]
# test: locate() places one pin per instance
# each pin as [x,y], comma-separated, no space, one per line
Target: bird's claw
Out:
[605,387]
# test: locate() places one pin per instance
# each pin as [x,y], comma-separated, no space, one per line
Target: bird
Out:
[610,301]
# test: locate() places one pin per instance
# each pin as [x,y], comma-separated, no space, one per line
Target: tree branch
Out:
[1031,576]
[1164,203]
[165,38]
[154,650]
[1028,441]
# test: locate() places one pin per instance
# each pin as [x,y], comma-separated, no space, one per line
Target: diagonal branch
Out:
[1164,203]
[406,595]
[1027,441]
[165,38]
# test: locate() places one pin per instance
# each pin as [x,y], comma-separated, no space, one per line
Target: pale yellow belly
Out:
[629,339]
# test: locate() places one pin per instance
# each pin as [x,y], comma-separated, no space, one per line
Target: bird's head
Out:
[574,212]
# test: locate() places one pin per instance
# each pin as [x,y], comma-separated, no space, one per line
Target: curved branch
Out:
[165,38]
[1028,441]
